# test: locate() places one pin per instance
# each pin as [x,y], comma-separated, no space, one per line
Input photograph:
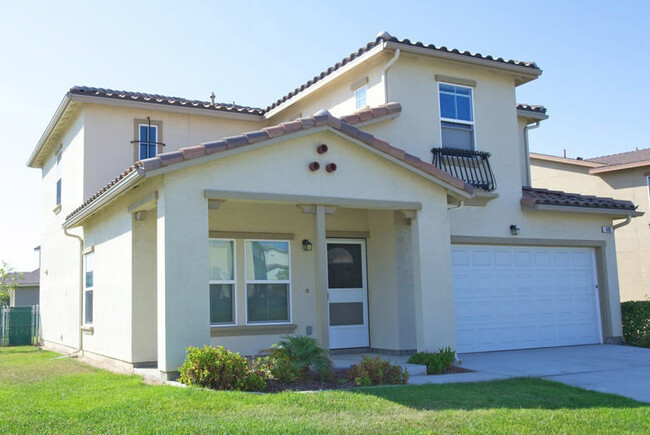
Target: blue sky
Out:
[594,56]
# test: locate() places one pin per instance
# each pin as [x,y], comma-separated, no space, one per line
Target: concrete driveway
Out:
[623,370]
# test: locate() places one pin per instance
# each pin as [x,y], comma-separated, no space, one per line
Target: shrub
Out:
[436,363]
[294,356]
[636,322]
[220,369]
[377,371]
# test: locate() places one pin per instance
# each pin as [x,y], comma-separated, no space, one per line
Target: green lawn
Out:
[43,393]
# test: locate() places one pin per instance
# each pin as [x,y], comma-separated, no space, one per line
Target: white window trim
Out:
[364,87]
[87,289]
[140,138]
[233,282]
[457,121]
[288,282]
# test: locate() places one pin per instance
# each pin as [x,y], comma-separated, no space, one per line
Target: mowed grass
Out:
[40,392]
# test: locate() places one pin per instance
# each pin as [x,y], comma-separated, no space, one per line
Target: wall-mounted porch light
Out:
[514,230]
[306,245]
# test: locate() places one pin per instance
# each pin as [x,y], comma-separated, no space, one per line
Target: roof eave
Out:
[531,115]
[613,168]
[523,74]
[31,162]
[557,159]
[614,213]
[323,82]
[112,193]
[165,107]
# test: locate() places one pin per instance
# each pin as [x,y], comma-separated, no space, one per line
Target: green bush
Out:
[636,322]
[377,371]
[220,369]
[436,363]
[294,356]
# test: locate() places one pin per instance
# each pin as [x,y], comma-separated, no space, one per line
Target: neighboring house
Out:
[27,287]
[624,175]
[320,214]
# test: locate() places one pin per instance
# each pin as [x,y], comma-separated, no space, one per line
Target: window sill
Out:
[56,209]
[236,330]
[88,329]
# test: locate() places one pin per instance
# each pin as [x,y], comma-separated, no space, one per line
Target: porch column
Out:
[321,277]
[182,258]
[432,279]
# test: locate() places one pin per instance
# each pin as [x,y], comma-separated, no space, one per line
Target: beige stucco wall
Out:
[282,168]
[59,281]
[633,240]
[109,131]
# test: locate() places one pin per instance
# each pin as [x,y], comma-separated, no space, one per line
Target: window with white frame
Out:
[360,97]
[222,281]
[148,141]
[89,284]
[456,116]
[58,177]
[267,281]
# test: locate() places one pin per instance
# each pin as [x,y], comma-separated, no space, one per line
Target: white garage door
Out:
[518,297]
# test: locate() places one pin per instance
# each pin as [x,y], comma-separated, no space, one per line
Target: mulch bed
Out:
[339,381]
[456,369]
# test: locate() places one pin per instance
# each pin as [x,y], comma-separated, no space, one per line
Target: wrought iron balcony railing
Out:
[473,167]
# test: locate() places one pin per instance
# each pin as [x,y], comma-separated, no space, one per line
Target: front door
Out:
[347,293]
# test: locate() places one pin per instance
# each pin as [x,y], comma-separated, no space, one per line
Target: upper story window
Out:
[360,97]
[147,139]
[58,177]
[456,116]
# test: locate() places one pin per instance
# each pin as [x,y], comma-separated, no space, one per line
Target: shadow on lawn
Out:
[521,393]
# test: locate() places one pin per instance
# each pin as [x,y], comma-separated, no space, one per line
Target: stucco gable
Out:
[320,121]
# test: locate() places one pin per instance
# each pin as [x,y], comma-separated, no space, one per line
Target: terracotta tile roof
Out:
[386,37]
[320,119]
[531,108]
[371,113]
[162,99]
[623,158]
[532,196]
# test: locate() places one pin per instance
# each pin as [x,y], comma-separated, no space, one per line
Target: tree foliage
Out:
[8,283]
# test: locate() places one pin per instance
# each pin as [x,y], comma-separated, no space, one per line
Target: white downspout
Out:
[81,289]
[457,206]
[627,221]
[384,79]
[527,150]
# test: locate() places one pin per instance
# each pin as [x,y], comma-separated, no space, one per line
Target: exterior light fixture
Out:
[514,230]
[306,245]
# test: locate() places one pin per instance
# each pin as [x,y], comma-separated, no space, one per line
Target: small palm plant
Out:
[294,356]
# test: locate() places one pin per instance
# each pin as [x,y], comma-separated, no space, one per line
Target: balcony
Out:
[473,167]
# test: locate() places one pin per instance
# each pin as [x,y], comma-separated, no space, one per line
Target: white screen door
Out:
[347,293]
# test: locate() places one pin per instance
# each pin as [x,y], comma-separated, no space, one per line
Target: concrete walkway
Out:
[623,370]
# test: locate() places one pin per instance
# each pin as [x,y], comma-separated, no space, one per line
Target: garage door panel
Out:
[510,297]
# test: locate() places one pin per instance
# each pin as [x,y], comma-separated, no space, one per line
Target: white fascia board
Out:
[529,73]
[531,115]
[586,210]
[48,130]
[112,193]
[323,82]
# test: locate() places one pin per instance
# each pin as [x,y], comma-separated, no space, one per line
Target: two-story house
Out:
[624,175]
[384,204]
